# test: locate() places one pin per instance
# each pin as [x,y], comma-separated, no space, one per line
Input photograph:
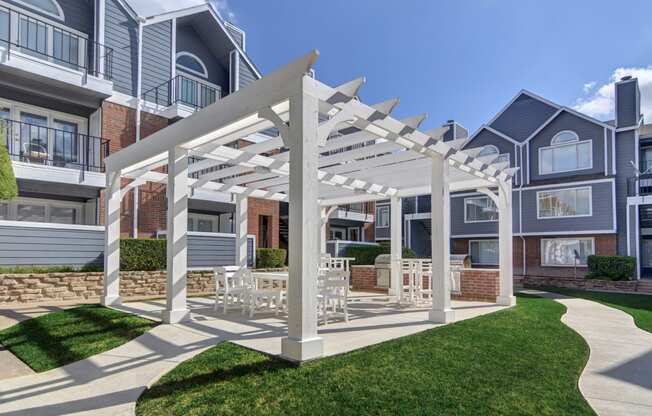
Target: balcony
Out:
[641,186]
[355,212]
[181,96]
[53,55]
[52,155]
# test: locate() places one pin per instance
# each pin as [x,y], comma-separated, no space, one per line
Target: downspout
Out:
[139,84]
[520,211]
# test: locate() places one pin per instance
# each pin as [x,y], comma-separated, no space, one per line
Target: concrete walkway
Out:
[617,379]
[111,382]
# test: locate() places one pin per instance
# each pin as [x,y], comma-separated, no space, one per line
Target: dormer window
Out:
[189,62]
[49,7]
[566,153]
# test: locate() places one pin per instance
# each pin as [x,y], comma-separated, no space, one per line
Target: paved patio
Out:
[111,382]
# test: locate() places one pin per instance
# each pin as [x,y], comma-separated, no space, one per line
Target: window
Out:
[4,25]
[30,212]
[42,210]
[575,202]
[187,61]
[484,252]
[566,251]
[480,209]
[566,153]
[4,211]
[490,149]
[63,215]
[203,223]
[354,234]
[382,217]
[337,233]
[49,7]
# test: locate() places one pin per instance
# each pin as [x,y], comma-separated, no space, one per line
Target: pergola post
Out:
[302,342]
[505,242]
[323,215]
[177,244]
[442,311]
[241,228]
[396,230]
[111,295]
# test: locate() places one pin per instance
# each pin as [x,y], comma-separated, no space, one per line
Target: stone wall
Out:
[479,285]
[628,286]
[49,287]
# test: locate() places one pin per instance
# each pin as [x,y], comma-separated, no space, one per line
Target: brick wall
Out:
[479,285]
[119,127]
[258,207]
[363,278]
[88,286]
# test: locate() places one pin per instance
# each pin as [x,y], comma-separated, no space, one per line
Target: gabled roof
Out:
[151,8]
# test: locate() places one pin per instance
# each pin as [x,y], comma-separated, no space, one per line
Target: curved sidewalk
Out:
[617,379]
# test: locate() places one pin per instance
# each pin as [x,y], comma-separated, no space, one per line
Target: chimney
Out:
[628,102]
[456,131]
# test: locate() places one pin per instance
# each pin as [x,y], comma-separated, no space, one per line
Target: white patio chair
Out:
[229,283]
[262,299]
[406,292]
[333,297]
[425,292]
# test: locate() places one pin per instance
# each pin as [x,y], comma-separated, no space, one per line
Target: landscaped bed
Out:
[639,306]
[518,361]
[60,338]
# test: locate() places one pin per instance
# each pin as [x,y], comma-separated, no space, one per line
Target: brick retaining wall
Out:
[363,278]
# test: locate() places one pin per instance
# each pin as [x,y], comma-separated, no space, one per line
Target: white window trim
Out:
[190,70]
[337,229]
[590,214]
[477,241]
[48,204]
[465,211]
[348,233]
[60,16]
[556,146]
[543,240]
[575,140]
[378,216]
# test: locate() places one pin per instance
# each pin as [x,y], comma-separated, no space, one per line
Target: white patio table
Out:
[269,280]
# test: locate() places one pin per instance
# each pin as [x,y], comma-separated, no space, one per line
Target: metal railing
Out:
[28,35]
[183,90]
[639,186]
[41,145]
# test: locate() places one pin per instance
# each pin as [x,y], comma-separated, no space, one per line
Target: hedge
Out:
[8,186]
[142,254]
[270,258]
[611,267]
[366,255]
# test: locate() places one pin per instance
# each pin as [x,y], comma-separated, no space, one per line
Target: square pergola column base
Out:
[175,316]
[506,300]
[111,300]
[445,316]
[297,350]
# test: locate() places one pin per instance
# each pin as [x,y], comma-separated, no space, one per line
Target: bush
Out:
[611,267]
[142,254]
[8,186]
[49,269]
[366,255]
[270,258]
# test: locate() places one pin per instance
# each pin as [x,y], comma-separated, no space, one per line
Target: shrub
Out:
[49,269]
[270,258]
[366,255]
[8,186]
[611,267]
[142,254]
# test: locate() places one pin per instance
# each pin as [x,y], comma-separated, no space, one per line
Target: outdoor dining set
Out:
[262,291]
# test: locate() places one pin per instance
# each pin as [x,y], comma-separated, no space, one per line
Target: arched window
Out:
[565,136]
[189,62]
[490,149]
[49,7]
[566,153]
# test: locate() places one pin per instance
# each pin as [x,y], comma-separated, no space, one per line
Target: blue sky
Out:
[459,59]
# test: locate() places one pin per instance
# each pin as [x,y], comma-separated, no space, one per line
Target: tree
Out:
[8,186]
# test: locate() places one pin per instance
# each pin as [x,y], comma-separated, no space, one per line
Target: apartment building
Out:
[81,79]
[583,188]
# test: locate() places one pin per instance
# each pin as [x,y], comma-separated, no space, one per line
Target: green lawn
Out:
[521,361]
[58,338]
[639,306]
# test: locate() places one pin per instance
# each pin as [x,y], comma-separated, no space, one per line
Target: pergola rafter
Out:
[379,158]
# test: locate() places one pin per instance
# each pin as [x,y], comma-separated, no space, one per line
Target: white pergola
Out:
[381,158]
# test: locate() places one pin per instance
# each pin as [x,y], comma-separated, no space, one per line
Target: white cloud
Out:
[224,8]
[588,87]
[601,102]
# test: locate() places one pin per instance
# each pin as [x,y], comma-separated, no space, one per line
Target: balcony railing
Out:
[52,147]
[37,38]
[640,186]
[183,90]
